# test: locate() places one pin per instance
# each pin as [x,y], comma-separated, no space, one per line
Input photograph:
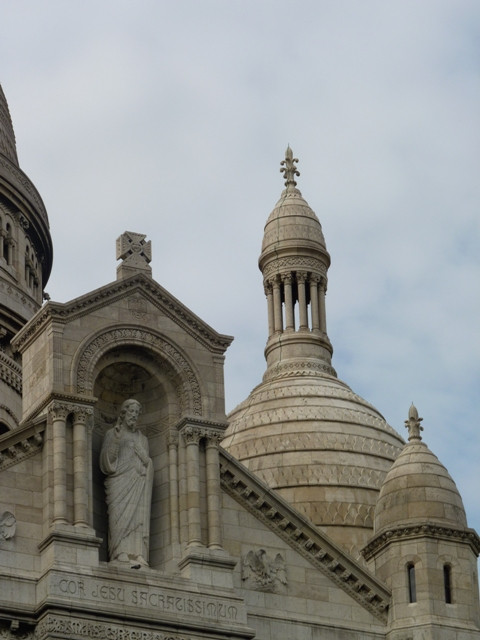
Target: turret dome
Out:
[418,488]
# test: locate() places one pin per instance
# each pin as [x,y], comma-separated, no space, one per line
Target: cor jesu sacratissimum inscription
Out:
[166,601]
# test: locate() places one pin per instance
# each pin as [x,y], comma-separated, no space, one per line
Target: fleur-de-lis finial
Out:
[289,169]
[413,424]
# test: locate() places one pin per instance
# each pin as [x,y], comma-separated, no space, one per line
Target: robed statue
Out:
[124,459]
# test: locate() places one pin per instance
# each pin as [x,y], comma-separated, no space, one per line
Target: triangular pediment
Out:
[139,291]
[303,536]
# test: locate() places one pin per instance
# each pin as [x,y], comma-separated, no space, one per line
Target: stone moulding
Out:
[20,180]
[10,373]
[90,352]
[20,444]
[138,283]
[422,530]
[303,536]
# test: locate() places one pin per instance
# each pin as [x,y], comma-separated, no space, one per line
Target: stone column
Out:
[80,466]
[322,311]
[271,319]
[277,306]
[192,438]
[302,300]
[59,415]
[213,491]
[173,482]
[314,303]
[289,315]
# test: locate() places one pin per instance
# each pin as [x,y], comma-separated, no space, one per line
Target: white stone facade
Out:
[302,515]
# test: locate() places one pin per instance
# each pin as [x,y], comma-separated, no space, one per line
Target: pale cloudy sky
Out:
[171,118]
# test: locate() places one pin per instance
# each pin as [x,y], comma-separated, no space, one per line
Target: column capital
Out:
[213,438]
[302,276]
[81,414]
[191,435]
[287,278]
[59,410]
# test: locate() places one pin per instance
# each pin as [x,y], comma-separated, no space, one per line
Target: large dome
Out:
[302,431]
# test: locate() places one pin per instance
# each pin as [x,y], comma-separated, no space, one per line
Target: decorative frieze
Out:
[10,373]
[19,446]
[152,291]
[304,442]
[425,530]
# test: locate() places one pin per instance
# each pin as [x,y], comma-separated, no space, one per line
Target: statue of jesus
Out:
[124,459]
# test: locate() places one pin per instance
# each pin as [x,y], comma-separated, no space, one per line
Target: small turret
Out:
[422,547]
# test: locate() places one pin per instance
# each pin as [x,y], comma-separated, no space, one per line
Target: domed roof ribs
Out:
[294,263]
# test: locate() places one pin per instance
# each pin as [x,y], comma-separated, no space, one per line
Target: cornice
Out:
[20,444]
[70,401]
[10,373]
[421,530]
[303,536]
[155,293]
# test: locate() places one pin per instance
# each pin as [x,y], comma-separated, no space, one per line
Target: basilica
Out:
[133,508]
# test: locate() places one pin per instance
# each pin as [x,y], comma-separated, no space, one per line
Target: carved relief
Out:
[262,572]
[137,305]
[77,628]
[292,264]
[8,525]
[299,368]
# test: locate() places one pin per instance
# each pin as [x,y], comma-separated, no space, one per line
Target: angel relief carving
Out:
[262,572]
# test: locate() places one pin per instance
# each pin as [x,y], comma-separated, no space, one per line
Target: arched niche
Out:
[157,380]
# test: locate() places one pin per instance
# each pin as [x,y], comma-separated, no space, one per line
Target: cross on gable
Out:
[135,254]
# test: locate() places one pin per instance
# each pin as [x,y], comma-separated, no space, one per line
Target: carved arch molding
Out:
[85,362]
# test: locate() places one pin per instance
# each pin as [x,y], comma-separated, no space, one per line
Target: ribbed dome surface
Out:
[321,446]
[291,224]
[417,489]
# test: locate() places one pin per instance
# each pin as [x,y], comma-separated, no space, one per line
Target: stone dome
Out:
[302,430]
[418,488]
[292,223]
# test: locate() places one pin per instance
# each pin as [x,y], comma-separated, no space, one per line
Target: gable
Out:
[311,548]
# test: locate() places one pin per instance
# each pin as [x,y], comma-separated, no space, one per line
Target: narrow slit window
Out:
[412,586]
[447,581]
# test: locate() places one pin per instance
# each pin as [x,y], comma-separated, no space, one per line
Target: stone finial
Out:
[135,253]
[413,424]
[289,169]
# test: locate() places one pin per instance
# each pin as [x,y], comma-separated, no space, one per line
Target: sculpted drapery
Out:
[125,460]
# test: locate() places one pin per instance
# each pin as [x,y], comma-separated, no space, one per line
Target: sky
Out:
[171,118]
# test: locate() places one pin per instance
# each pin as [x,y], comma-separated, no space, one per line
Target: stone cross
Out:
[135,254]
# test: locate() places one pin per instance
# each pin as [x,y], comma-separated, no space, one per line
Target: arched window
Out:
[412,586]
[447,583]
